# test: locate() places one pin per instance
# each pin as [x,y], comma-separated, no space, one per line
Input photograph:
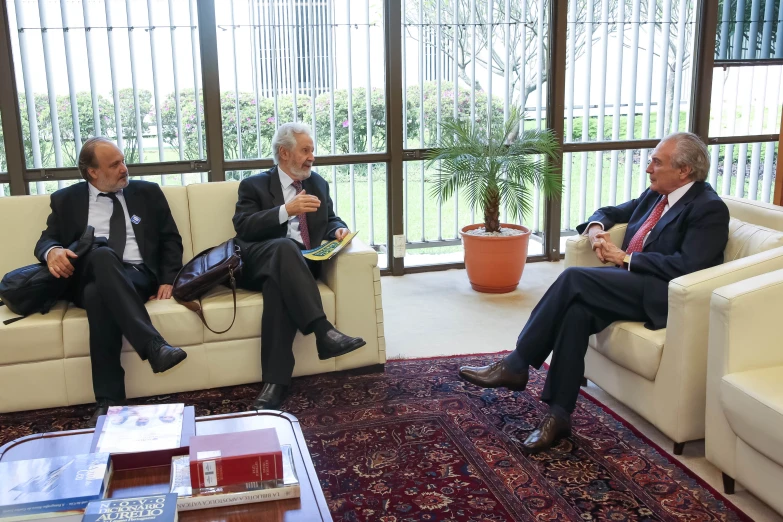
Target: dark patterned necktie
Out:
[302,220]
[117,233]
[637,242]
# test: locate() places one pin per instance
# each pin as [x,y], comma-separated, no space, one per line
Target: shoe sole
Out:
[178,360]
[347,350]
[482,385]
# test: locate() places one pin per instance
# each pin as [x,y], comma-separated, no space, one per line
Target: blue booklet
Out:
[41,486]
[154,508]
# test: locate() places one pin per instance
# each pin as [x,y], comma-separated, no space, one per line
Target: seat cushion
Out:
[746,239]
[753,404]
[218,307]
[37,337]
[632,346]
[178,325]
[212,210]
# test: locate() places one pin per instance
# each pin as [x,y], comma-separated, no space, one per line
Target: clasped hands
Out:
[605,250]
[59,263]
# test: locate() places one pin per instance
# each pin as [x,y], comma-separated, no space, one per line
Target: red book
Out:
[235,458]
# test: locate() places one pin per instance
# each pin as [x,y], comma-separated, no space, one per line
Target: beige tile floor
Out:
[437,313]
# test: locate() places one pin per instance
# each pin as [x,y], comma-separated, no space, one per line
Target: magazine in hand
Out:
[328,250]
[193,498]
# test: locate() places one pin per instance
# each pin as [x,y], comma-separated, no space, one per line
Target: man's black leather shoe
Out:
[495,375]
[102,408]
[336,343]
[163,357]
[551,429]
[271,397]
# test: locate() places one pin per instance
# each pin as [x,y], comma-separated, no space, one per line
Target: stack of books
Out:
[206,471]
[234,468]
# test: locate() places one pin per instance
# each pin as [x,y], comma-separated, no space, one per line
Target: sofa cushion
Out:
[21,235]
[753,404]
[178,325]
[37,337]
[632,346]
[177,198]
[212,208]
[746,239]
[218,307]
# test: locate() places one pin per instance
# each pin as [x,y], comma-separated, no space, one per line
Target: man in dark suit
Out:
[113,282]
[677,226]
[280,212]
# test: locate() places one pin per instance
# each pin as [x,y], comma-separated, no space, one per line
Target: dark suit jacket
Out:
[156,233]
[257,215]
[690,236]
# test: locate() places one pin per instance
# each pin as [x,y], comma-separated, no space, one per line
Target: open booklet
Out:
[328,250]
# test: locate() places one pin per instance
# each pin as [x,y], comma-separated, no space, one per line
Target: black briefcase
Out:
[33,289]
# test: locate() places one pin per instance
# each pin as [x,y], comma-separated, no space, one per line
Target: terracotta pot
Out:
[495,264]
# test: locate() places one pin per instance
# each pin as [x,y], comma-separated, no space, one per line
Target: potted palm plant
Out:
[495,166]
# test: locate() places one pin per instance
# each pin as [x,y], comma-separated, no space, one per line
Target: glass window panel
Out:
[502,57]
[134,83]
[749,30]
[628,70]
[5,189]
[302,60]
[746,100]
[744,170]
[3,160]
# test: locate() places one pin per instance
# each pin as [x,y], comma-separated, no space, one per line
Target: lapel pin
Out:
[135,219]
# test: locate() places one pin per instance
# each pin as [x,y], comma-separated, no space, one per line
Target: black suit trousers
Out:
[292,301]
[581,302]
[113,293]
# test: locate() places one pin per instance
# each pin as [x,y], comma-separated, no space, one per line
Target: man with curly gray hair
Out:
[279,213]
[677,226]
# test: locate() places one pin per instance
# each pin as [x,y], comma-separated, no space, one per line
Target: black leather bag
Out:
[219,265]
[33,289]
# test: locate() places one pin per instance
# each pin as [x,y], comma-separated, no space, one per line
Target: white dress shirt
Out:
[289,193]
[99,216]
[674,197]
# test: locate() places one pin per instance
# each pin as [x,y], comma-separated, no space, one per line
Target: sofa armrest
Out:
[354,278]
[579,253]
[683,366]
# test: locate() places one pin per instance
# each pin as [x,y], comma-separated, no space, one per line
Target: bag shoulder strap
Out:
[195,306]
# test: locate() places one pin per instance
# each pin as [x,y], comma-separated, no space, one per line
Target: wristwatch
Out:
[626,260]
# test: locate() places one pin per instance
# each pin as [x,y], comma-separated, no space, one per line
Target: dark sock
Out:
[516,363]
[319,327]
[559,412]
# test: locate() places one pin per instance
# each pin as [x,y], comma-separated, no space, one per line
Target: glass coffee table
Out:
[311,506]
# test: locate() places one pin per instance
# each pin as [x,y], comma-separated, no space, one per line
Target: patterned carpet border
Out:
[417,443]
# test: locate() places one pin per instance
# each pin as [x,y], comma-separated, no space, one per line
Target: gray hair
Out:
[87,155]
[690,151]
[284,137]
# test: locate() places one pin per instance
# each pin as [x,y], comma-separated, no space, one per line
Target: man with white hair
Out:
[677,226]
[279,213]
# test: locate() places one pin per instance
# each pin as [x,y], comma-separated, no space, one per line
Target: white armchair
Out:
[744,431]
[661,374]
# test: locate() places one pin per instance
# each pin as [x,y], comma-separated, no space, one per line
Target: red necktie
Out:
[303,230]
[637,242]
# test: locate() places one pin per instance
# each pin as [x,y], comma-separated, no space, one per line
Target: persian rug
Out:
[416,443]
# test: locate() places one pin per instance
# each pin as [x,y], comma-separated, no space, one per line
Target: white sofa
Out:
[744,435]
[44,359]
[661,374]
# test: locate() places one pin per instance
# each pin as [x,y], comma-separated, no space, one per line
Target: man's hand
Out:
[302,203]
[340,233]
[59,263]
[164,292]
[595,242]
[609,251]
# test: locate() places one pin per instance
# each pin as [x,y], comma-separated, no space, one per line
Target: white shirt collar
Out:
[677,194]
[94,192]
[285,179]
